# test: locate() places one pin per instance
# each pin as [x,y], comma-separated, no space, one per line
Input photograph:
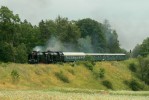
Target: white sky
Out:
[130,18]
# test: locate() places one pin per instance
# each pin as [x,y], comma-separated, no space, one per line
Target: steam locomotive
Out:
[58,56]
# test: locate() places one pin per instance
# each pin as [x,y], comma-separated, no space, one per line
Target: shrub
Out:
[88,65]
[135,86]
[15,76]
[144,69]
[62,77]
[126,82]
[107,84]
[132,67]
[89,58]
[4,64]
[71,71]
[101,72]
[73,64]
[93,63]
[60,63]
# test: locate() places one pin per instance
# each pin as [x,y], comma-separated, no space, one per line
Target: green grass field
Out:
[71,95]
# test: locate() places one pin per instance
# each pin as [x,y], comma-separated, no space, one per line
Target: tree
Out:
[142,49]
[113,43]
[47,30]
[72,33]
[8,25]
[136,51]
[67,32]
[144,69]
[7,52]
[29,35]
[8,34]
[145,47]
[92,28]
[21,55]
[111,38]
[18,38]
[61,28]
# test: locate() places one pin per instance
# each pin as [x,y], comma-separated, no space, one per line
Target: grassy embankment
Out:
[66,75]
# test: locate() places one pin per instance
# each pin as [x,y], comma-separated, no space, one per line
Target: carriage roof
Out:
[107,54]
[74,53]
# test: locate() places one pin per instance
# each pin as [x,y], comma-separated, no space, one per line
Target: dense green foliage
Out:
[88,65]
[135,86]
[141,52]
[142,49]
[18,38]
[144,69]
[140,68]
[132,67]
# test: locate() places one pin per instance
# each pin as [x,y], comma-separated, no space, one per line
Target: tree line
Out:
[141,49]
[18,38]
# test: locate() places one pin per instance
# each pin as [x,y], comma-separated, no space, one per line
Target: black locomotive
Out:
[57,56]
[45,57]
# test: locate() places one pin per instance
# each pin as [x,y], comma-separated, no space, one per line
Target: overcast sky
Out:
[130,18]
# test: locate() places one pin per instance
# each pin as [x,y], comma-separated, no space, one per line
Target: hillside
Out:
[66,75]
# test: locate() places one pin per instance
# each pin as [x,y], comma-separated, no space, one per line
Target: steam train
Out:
[57,56]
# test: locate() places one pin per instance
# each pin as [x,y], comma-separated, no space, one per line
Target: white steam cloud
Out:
[54,44]
[38,48]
